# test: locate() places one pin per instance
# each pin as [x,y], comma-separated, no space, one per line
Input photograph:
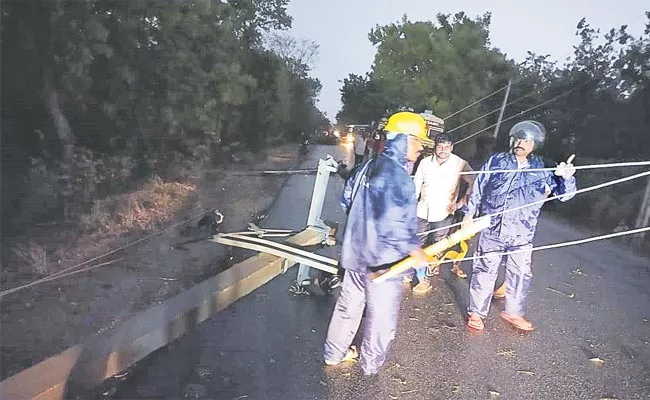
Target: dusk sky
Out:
[341,27]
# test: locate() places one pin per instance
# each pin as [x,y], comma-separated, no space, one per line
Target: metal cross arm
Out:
[291,253]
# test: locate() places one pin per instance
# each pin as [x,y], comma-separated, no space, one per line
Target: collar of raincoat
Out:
[395,149]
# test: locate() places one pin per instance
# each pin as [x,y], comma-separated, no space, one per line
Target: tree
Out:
[439,66]
[146,80]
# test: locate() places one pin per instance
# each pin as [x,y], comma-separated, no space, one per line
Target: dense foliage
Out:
[602,96]
[120,87]
[596,104]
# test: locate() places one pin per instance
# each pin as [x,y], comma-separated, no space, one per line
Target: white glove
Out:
[566,169]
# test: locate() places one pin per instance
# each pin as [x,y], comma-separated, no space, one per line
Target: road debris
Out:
[569,295]
[597,361]
[494,394]
[506,353]
[400,379]
[525,372]
[455,389]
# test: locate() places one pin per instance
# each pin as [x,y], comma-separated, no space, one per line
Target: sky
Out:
[341,27]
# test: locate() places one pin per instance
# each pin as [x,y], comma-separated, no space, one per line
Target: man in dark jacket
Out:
[512,231]
[381,230]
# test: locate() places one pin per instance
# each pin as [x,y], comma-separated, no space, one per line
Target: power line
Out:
[566,92]
[584,190]
[492,112]
[552,246]
[476,102]
[577,167]
[503,88]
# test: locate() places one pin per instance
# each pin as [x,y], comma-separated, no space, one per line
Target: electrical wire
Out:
[584,190]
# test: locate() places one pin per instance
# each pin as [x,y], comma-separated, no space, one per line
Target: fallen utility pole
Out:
[102,356]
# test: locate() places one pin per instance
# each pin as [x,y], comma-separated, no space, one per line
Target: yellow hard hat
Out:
[408,123]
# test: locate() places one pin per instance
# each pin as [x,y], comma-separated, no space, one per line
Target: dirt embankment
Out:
[42,320]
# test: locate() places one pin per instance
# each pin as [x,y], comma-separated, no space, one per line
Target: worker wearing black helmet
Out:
[512,232]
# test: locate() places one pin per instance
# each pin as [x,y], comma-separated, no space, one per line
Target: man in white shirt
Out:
[437,182]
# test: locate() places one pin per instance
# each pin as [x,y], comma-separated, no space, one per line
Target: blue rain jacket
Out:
[505,190]
[379,198]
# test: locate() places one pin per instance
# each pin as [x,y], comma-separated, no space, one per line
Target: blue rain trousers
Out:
[382,304]
[485,271]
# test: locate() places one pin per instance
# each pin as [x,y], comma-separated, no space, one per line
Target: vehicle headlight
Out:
[336,133]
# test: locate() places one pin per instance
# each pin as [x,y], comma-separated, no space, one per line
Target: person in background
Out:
[437,182]
[359,145]
[379,198]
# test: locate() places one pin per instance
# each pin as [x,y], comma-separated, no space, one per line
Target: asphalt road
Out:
[590,304]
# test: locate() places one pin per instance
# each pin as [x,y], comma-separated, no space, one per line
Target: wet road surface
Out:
[590,304]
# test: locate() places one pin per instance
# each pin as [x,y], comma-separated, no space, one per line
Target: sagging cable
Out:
[577,167]
[553,246]
[584,190]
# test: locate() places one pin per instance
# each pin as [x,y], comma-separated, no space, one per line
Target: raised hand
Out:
[566,169]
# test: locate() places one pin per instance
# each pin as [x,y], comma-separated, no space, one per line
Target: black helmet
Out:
[531,130]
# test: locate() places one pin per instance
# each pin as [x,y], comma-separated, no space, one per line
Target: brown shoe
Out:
[475,322]
[520,323]
[500,293]
[458,271]
[423,287]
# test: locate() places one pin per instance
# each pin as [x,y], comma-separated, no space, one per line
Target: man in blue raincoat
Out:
[381,229]
[512,231]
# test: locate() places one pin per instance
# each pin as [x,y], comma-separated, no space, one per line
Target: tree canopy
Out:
[599,100]
[146,79]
